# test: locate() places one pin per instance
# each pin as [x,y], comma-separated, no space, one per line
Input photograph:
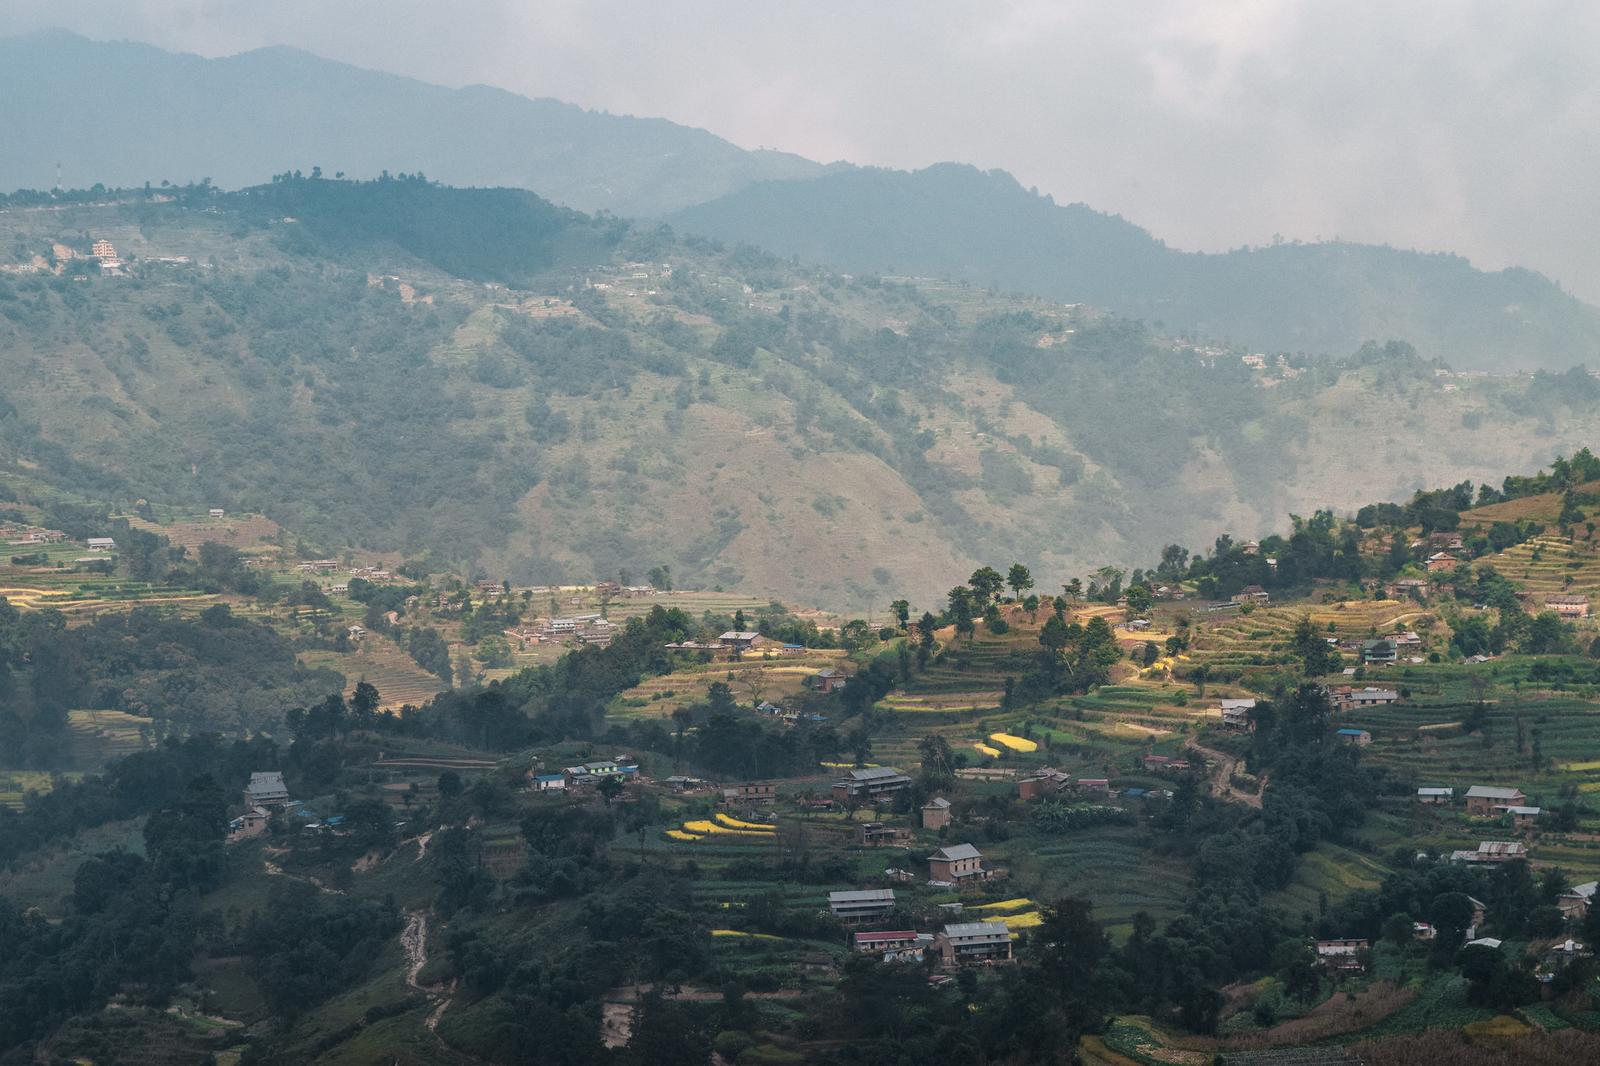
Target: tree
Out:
[1068,947]
[661,577]
[609,789]
[925,638]
[986,584]
[450,785]
[962,609]
[902,613]
[1140,600]
[1019,579]
[1450,914]
[936,756]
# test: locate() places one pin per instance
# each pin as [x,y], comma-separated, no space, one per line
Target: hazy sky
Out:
[1469,126]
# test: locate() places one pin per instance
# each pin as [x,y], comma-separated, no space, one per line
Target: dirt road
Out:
[1222,768]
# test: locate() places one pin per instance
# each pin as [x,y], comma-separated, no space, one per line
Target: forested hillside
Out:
[954,221]
[540,396]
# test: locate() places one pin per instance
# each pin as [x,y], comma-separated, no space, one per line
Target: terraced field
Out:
[1550,563]
[776,679]
[380,662]
[101,736]
[1423,741]
[244,531]
[1263,637]
[80,594]
[1110,866]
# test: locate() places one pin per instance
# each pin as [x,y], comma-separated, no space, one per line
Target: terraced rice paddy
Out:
[721,826]
[1550,563]
[101,736]
[380,662]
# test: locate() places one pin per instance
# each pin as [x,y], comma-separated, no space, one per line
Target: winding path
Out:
[1222,767]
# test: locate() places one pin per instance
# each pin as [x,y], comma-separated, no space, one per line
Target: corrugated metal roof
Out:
[957,851]
[864,895]
[968,930]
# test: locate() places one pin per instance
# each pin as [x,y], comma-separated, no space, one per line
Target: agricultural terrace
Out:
[1551,564]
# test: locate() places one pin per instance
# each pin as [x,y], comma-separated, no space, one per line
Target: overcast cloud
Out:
[1470,127]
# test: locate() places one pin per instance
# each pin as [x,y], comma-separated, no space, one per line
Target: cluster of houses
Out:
[1487,801]
[736,643]
[617,590]
[955,944]
[21,536]
[582,629]
[584,776]
[1049,781]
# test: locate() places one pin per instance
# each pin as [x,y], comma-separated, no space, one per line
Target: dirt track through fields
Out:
[1223,767]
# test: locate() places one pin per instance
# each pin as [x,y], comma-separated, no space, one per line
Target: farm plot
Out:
[381,663]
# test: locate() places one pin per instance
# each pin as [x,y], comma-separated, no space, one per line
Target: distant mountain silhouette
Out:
[123,114]
[960,222]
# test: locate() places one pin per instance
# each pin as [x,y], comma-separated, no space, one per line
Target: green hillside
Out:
[536,395]
[955,221]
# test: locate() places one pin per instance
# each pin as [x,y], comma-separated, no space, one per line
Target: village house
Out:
[1436,795]
[826,680]
[1045,781]
[751,794]
[955,863]
[1160,763]
[1574,902]
[1407,587]
[871,782]
[549,782]
[215,512]
[1379,652]
[1252,594]
[936,813]
[1440,562]
[1342,953]
[880,834]
[1236,714]
[250,824]
[1345,697]
[860,904]
[739,641]
[266,789]
[1521,817]
[1493,851]
[1568,606]
[1446,542]
[894,945]
[1482,799]
[1359,737]
[1093,786]
[974,942]
[101,544]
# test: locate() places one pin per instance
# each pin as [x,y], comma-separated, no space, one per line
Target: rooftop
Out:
[862,895]
[956,851]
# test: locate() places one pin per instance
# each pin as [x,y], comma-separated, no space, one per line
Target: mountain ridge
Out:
[953,220]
